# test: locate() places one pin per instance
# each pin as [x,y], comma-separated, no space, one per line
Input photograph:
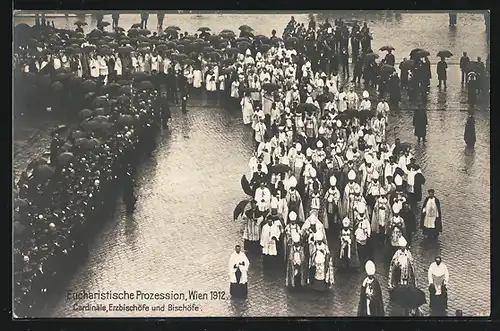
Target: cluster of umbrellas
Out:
[58,202]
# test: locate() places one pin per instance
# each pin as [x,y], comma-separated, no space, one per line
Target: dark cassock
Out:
[415,181]
[431,217]
[470,131]
[438,277]
[296,268]
[370,296]
[238,273]
[420,124]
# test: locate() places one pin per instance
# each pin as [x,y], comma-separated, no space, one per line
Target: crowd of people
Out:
[323,171]
[322,167]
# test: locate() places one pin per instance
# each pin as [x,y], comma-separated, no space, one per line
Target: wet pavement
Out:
[182,233]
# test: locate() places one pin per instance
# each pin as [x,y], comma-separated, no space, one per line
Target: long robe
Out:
[395,230]
[294,202]
[321,274]
[238,274]
[370,300]
[438,226]
[331,207]
[381,215]
[470,132]
[402,269]
[348,249]
[296,267]
[438,277]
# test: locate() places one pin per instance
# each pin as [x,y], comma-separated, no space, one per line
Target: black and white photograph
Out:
[251,164]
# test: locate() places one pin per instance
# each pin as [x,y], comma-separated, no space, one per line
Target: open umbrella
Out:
[119,29]
[444,54]
[369,57]
[269,87]
[64,158]
[124,90]
[85,113]
[92,143]
[264,48]
[59,129]
[414,52]
[145,85]
[387,48]
[95,33]
[136,26]
[20,203]
[245,28]
[89,85]
[80,23]
[173,27]
[204,29]
[188,61]
[474,66]
[138,76]
[227,34]
[291,40]
[44,172]
[231,50]
[408,297]
[280,168]
[19,228]
[246,186]
[407,65]
[125,119]
[240,208]
[243,45]
[386,68]
[422,54]
[307,107]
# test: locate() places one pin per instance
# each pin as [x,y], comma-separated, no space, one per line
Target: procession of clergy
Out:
[320,175]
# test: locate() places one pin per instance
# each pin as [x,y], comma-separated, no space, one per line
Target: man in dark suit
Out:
[464,62]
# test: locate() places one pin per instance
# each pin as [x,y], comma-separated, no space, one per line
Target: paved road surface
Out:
[182,233]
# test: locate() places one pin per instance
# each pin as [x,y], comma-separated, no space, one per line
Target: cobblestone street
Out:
[182,232]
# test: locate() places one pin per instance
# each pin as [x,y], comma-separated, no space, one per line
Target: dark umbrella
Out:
[19,228]
[44,172]
[78,134]
[291,40]
[119,29]
[414,52]
[138,76]
[423,54]
[444,54]
[240,208]
[125,119]
[370,57]
[269,87]
[245,28]
[231,50]
[89,85]
[246,186]
[173,27]
[408,297]
[95,33]
[227,34]
[64,158]
[145,85]
[387,69]
[80,23]
[20,203]
[204,29]
[124,90]
[280,168]
[264,48]
[244,45]
[136,26]
[59,129]
[387,48]
[474,66]
[85,113]
[407,65]
[92,143]
[307,107]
